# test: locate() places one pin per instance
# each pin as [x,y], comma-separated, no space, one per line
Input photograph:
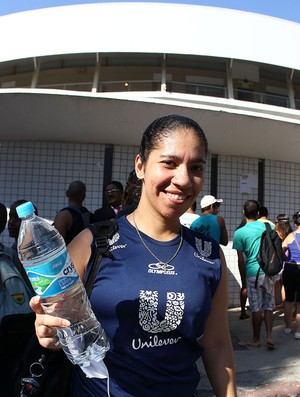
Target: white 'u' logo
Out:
[148,316]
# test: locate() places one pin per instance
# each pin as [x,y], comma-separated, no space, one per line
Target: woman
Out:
[283,228]
[162,300]
[291,277]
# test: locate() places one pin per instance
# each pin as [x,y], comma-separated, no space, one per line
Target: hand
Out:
[46,325]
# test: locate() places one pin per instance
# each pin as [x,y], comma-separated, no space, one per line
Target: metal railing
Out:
[259,97]
[178,87]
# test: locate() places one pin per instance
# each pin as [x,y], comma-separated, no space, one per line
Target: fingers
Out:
[46,325]
[35,304]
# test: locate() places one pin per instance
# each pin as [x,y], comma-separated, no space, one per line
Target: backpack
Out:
[270,255]
[46,373]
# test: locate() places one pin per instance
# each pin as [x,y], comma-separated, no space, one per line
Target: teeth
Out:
[176,196]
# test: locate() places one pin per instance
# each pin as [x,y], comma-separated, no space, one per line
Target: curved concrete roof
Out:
[152,28]
[232,127]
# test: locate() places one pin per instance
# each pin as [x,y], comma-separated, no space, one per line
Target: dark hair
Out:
[117,184]
[263,211]
[296,218]
[3,217]
[162,126]
[282,218]
[251,209]
[194,206]
[76,189]
[283,226]
[132,177]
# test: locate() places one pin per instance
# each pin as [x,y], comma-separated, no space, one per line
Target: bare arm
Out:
[218,353]
[224,233]
[63,222]
[242,267]
[288,240]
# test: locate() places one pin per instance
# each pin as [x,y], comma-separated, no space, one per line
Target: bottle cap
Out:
[25,209]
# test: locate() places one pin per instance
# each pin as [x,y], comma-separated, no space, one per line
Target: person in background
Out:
[73,219]
[263,216]
[246,241]
[283,228]
[9,259]
[242,271]
[14,222]
[132,195]
[114,193]
[13,225]
[210,223]
[189,216]
[16,316]
[164,295]
[291,277]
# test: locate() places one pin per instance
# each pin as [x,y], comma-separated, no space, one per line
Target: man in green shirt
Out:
[246,241]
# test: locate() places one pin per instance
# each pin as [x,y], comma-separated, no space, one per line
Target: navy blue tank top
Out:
[152,314]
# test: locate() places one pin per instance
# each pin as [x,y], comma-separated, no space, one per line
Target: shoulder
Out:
[221,220]
[65,213]
[104,210]
[289,239]
[8,262]
[9,253]
[197,221]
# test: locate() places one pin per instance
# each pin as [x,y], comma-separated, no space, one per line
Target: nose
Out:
[182,177]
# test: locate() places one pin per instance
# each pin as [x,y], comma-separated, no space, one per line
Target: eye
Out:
[199,169]
[169,163]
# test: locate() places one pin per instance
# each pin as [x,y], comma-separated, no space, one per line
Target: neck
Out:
[158,228]
[74,203]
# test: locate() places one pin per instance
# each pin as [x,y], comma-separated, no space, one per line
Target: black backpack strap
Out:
[268,228]
[257,275]
[102,231]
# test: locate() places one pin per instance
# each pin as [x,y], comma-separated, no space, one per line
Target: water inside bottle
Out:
[83,342]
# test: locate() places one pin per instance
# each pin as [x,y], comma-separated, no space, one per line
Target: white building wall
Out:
[41,172]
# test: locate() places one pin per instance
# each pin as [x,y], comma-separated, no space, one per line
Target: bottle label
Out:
[53,277]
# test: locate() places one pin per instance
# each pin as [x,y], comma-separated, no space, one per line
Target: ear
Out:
[139,167]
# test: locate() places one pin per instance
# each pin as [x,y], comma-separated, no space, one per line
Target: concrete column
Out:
[163,86]
[230,92]
[97,73]
[291,93]
[36,72]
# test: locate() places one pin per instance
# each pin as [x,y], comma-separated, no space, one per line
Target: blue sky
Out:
[286,9]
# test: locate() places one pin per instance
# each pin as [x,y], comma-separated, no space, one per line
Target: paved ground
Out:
[261,372]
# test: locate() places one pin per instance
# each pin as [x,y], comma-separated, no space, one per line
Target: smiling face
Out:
[173,173]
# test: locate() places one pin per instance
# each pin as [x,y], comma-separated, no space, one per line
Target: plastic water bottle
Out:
[42,252]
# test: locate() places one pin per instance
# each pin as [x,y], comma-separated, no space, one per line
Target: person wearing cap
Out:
[210,223]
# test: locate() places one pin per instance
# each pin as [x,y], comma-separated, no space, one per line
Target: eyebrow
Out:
[174,157]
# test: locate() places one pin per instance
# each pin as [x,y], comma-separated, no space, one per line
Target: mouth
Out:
[177,196]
